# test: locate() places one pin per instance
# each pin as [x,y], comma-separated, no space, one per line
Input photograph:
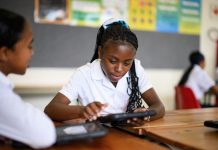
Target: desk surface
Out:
[115,140]
[188,137]
[183,118]
[183,129]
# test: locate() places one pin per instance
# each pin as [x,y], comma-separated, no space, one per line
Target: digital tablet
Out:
[69,133]
[121,118]
[211,123]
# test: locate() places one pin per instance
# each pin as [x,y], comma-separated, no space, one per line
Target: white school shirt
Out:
[21,121]
[89,84]
[199,81]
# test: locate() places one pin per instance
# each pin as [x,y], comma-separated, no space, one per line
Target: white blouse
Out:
[89,84]
[199,81]
[21,121]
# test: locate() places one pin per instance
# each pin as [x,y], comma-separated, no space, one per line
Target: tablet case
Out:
[72,132]
[211,123]
[121,118]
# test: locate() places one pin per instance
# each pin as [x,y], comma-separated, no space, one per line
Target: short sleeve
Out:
[205,82]
[144,83]
[71,89]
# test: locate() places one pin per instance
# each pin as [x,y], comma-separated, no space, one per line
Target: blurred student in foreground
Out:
[19,121]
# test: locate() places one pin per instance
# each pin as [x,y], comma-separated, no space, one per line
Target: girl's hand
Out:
[92,110]
[138,121]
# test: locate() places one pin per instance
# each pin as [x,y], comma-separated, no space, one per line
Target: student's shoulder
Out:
[198,70]
[88,67]
[137,61]
[138,65]
[85,68]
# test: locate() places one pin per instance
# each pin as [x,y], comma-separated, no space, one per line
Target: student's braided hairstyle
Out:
[119,31]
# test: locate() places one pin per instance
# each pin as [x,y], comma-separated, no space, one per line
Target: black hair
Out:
[11,28]
[119,32]
[195,58]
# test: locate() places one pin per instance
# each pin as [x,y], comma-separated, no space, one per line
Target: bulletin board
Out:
[67,46]
[176,16]
[52,11]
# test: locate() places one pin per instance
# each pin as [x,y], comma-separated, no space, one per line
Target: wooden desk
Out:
[115,140]
[183,129]
[188,137]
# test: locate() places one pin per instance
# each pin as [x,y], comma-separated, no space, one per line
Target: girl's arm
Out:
[152,100]
[214,90]
[60,110]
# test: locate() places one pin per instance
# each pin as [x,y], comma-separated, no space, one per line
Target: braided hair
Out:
[195,58]
[119,31]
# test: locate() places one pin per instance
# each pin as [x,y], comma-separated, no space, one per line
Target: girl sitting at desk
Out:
[196,78]
[113,82]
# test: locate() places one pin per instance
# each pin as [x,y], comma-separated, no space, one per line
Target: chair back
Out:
[185,98]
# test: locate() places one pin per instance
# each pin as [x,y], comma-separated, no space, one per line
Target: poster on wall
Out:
[174,16]
[95,12]
[114,9]
[86,12]
[214,11]
[190,16]
[52,11]
[167,15]
[142,14]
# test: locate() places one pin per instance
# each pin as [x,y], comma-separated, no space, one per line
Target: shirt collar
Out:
[198,67]
[4,80]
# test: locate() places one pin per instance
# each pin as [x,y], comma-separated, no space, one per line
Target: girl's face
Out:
[18,58]
[202,64]
[116,59]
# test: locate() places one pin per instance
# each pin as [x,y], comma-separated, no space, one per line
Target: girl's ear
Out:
[3,53]
[100,52]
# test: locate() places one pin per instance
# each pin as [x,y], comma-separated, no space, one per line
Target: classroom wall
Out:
[72,46]
[39,85]
[208,47]
[164,79]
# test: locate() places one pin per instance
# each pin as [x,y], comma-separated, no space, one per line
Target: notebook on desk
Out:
[211,123]
[68,133]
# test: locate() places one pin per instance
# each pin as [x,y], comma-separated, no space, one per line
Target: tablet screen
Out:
[75,130]
[72,132]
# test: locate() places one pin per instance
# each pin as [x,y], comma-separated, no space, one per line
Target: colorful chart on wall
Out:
[142,14]
[176,16]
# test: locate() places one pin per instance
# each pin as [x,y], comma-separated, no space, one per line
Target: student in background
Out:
[113,82]
[19,121]
[196,78]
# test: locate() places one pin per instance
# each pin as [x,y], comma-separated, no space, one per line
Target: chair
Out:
[185,98]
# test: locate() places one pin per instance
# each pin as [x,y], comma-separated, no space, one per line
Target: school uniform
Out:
[199,81]
[89,84]
[21,121]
